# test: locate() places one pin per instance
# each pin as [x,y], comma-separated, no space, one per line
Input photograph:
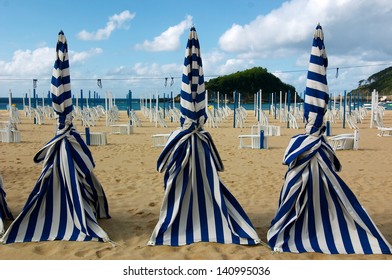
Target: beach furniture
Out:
[5,212]
[124,128]
[292,121]
[345,141]
[382,130]
[259,136]
[67,200]
[253,141]
[9,133]
[10,136]
[134,119]
[96,138]
[196,207]
[160,140]
[317,211]
[269,130]
[39,117]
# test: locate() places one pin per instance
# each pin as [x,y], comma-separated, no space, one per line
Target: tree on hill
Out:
[247,83]
[380,81]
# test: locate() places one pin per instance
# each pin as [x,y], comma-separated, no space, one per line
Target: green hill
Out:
[247,83]
[380,81]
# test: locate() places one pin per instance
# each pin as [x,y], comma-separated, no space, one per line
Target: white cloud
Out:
[39,62]
[29,63]
[355,32]
[83,56]
[115,22]
[169,40]
[289,27]
[157,70]
[290,24]
[232,65]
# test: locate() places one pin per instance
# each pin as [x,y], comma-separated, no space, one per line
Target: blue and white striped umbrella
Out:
[5,212]
[67,199]
[196,207]
[317,211]
[193,94]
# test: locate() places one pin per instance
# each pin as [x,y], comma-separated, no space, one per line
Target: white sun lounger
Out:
[252,141]
[160,140]
[348,141]
[96,138]
[9,134]
[125,128]
[384,131]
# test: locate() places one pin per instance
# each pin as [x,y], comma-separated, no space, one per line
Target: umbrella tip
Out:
[61,32]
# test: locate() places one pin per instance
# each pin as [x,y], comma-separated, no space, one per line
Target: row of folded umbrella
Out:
[317,211]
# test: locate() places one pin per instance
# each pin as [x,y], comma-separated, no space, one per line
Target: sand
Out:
[126,168]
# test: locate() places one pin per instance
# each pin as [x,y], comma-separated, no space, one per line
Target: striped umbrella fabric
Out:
[196,207]
[316,92]
[317,211]
[5,212]
[61,83]
[67,199]
[193,103]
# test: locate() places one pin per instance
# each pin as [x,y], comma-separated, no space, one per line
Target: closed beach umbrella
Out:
[317,211]
[196,205]
[67,199]
[5,213]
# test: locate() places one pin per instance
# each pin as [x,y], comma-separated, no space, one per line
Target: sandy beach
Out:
[126,167]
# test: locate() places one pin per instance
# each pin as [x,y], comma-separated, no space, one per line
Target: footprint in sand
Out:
[38,250]
[81,254]
[100,253]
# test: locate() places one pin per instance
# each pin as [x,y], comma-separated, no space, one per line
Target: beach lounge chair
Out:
[9,134]
[134,119]
[382,130]
[347,141]
[96,138]
[292,121]
[253,141]
[269,130]
[257,140]
[124,128]
[160,140]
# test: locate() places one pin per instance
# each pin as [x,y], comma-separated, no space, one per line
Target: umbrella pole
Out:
[106,108]
[218,100]
[344,110]
[10,101]
[156,111]
[235,107]
[280,106]
[288,100]
[261,103]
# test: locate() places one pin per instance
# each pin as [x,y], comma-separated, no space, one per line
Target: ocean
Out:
[121,103]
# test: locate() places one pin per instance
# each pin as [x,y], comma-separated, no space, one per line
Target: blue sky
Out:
[134,45]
